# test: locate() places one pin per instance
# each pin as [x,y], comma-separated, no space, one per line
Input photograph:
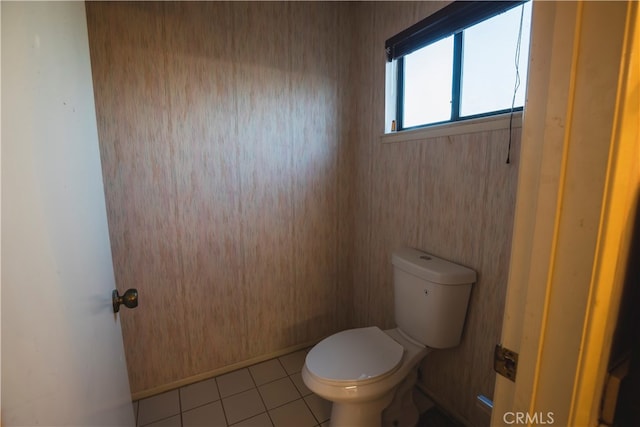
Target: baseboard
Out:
[220,371]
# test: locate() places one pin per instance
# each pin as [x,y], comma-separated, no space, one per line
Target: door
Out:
[62,353]
[577,195]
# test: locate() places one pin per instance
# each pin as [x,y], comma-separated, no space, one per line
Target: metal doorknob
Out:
[129,299]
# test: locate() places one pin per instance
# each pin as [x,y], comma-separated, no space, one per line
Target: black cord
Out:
[517,83]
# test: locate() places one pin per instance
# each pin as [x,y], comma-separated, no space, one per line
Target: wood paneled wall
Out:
[452,196]
[251,201]
[222,144]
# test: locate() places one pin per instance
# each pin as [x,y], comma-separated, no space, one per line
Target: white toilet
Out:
[368,373]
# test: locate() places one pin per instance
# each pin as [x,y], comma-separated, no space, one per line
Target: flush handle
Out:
[129,299]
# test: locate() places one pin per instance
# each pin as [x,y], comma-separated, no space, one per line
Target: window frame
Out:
[460,15]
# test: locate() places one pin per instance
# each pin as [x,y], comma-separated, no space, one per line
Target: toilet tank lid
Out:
[431,268]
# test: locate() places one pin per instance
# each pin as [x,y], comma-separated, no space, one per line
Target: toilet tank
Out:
[431,297]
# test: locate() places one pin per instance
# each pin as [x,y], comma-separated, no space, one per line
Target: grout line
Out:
[261,399]
[312,414]
[180,405]
[282,365]
[163,419]
[224,413]
[219,399]
[251,375]
[270,419]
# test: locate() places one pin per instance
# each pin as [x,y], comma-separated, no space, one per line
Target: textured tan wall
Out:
[221,143]
[451,196]
[457,203]
[249,197]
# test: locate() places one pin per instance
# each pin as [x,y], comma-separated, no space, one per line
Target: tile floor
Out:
[270,393]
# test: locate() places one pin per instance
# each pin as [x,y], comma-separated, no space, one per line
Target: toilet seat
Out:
[355,355]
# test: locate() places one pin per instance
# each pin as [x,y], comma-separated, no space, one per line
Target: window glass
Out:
[427,84]
[488,64]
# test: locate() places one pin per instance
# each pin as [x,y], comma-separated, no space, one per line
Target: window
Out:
[467,60]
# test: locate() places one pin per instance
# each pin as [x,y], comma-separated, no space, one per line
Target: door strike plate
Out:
[505,362]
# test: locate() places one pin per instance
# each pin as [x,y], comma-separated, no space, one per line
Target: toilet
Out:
[369,374]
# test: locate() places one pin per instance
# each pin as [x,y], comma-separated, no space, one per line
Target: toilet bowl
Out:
[369,374]
[359,370]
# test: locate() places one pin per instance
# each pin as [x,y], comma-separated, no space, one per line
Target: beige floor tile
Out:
[268,371]
[209,415]
[234,382]
[261,420]
[158,407]
[294,414]
[320,407]
[293,362]
[279,392]
[242,406]
[300,385]
[199,394]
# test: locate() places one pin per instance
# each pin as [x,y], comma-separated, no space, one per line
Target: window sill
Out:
[481,124]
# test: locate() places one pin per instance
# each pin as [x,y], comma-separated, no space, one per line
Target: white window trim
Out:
[481,124]
[390,101]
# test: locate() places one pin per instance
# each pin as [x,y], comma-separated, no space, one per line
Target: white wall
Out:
[62,354]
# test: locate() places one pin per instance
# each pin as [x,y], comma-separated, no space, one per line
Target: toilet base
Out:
[361,414]
[402,411]
[395,409]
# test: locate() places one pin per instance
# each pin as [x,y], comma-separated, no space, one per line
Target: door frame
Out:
[575,211]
